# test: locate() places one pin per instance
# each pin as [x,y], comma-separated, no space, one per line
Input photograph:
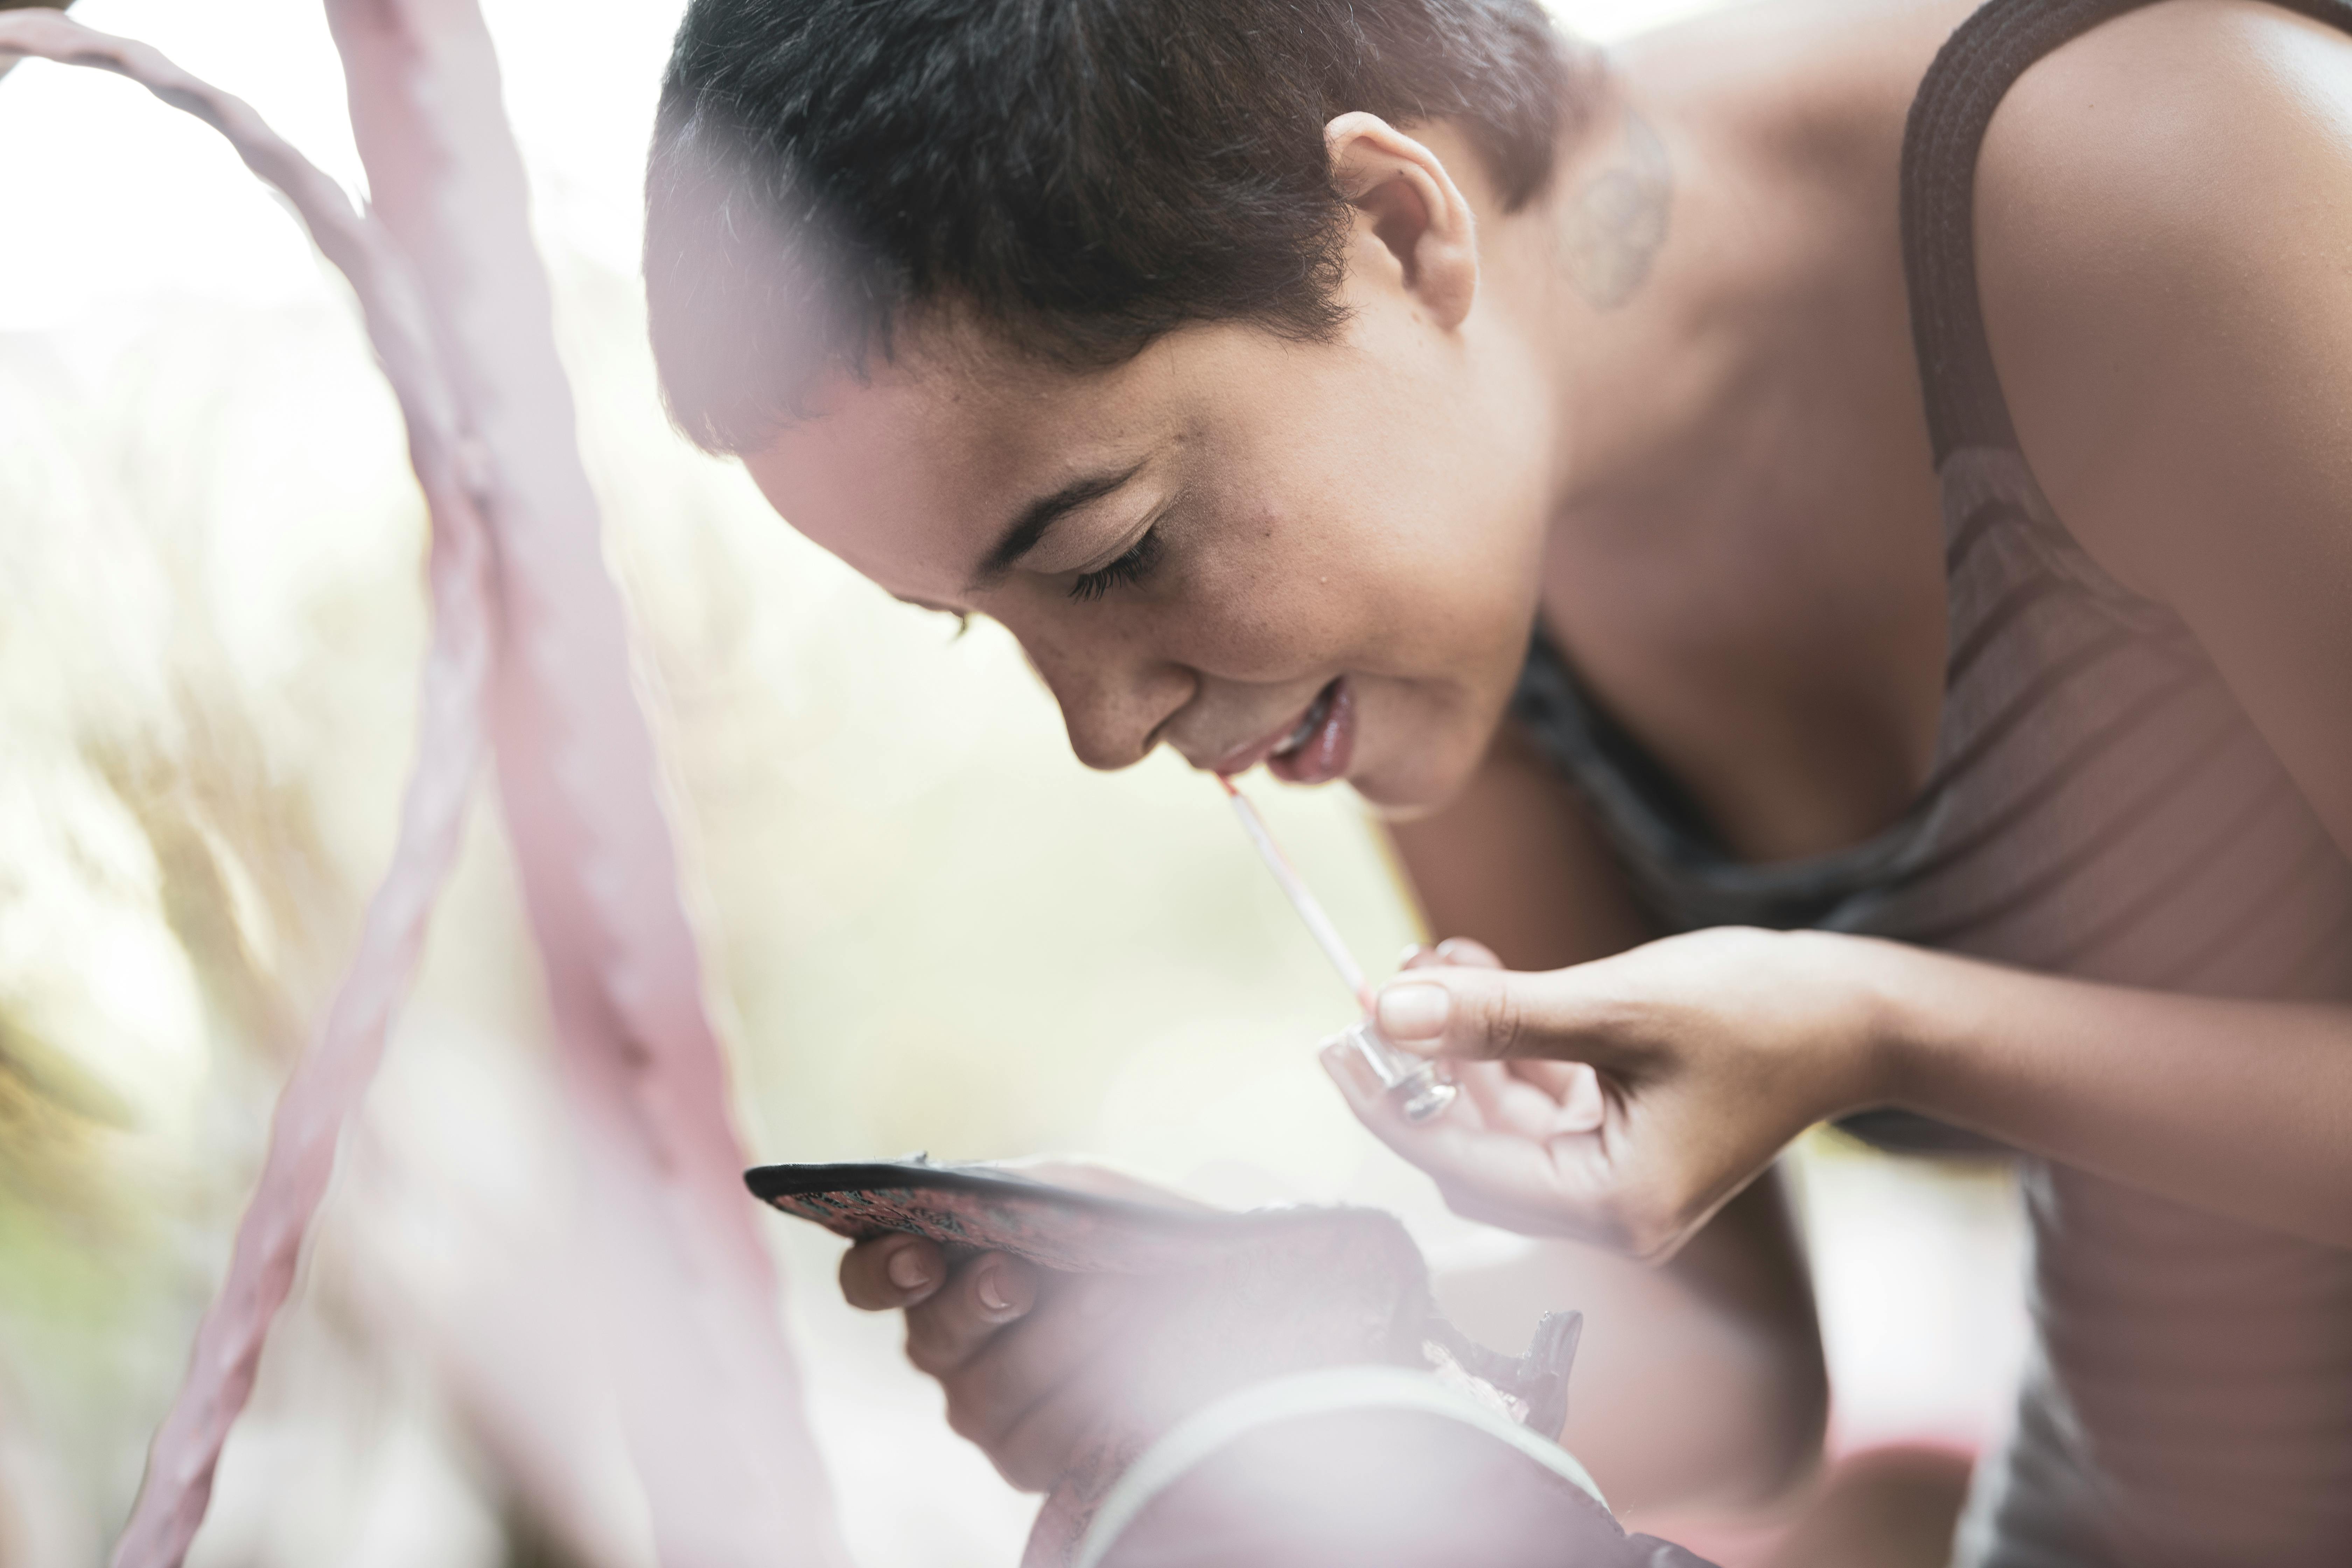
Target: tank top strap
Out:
[1971,74]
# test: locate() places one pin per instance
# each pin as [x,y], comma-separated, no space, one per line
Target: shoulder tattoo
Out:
[1617,218]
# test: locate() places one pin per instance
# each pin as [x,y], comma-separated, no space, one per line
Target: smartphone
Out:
[998,1208]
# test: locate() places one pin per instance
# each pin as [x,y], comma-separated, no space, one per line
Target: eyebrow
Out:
[1038,516]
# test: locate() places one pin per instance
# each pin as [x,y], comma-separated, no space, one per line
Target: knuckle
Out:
[934,1345]
[1647,1244]
[924,1356]
[1614,1225]
[1657,1247]
[975,1409]
[1021,1476]
[965,1420]
[1467,953]
[866,1272]
[1649,1225]
[1507,1031]
[986,1385]
[1024,1468]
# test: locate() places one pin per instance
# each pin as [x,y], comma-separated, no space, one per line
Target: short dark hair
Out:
[1081,176]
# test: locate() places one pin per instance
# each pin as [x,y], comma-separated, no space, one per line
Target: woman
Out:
[1935,548]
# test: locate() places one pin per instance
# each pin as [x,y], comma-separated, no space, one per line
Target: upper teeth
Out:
[1306,722]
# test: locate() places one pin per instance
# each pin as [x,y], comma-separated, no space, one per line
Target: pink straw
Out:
[1319,924]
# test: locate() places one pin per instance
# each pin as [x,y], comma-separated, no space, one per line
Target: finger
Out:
[1538,1171]
[1537,1098]
[1517,1099]
[1354,1075]
[1583,1105]
[1487,1086]
[1455,950]
[1461,1011]
[1456,1012]
[986,1293]
[889,1271]
[1532,1101]
[1532,1185]
[1369,1098]
[1037,1387]
[1376,1102]
[1437,1145]
[1538,1185]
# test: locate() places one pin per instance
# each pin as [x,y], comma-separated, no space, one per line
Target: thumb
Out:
[1459,1011]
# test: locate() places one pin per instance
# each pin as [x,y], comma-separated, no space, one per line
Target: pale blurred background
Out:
[930,928]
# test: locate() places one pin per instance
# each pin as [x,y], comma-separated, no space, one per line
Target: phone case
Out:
[996,1209]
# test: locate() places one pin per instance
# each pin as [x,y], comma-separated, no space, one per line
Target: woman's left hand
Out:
[1713,1050]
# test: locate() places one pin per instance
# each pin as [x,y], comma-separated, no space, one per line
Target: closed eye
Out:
[1131,567]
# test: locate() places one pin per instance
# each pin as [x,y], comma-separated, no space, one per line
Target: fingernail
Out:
[990,1290]
[1413,950]
[1414,1010]
[1346,1067]
[907,1270]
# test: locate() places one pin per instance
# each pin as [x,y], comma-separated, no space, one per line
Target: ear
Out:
[1413,208]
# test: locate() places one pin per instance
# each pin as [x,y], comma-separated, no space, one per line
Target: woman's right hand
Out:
[1523,1102]
[1716,1049]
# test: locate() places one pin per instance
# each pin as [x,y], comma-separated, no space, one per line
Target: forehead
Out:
[912,472]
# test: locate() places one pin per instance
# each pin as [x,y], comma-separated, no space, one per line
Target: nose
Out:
[1114,694]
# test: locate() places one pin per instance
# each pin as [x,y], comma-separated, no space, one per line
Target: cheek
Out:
[1447,598]
[1440,582]
[1372,574]
[1269,592]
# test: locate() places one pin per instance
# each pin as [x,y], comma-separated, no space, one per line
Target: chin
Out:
[1423,781]
[1421,743]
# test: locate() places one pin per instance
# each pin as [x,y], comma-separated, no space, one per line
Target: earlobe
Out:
[1415,210]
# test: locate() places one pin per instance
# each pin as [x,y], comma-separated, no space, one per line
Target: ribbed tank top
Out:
[2099,806]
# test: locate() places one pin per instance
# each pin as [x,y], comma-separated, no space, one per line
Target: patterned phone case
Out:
[992,1208]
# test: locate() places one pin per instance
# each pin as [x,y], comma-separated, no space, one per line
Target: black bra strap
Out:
[1975,68]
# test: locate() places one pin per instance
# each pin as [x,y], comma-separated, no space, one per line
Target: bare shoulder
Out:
[2157,202]
[2162,119]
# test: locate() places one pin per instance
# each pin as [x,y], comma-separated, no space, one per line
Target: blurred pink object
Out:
[708,1390]
[529,653]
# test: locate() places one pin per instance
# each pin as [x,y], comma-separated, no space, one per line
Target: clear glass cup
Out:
[1421,1087]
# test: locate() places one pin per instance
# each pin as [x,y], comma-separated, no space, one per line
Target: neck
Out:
[1726,247]
[1743,549]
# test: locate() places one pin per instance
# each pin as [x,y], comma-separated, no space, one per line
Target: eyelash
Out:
[1132,567]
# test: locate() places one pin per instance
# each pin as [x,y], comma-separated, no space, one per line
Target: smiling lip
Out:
[1313,745]
[1325,740]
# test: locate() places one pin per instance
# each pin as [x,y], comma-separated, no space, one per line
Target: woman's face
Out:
[1318,556]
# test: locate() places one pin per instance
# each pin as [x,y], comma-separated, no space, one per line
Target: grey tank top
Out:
[2099,806]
